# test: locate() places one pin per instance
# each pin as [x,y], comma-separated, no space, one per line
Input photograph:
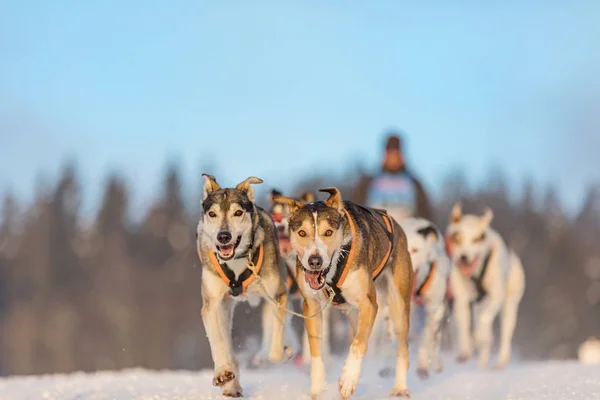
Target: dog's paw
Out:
[288,354]
[258,362]
[438,368]
[400,392]
[422,373]
[386,372]
[223,376]
[463,358]
[347,384]
[499,366]
[235,390]
[317,376]
[502,363]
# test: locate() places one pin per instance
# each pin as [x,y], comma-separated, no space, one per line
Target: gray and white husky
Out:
[233,235]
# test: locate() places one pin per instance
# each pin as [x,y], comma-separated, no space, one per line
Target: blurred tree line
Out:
[113,294]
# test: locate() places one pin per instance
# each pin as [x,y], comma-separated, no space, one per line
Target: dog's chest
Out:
[237,265]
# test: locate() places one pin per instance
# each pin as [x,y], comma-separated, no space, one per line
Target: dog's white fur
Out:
[504,282]
[589,352]
[425,251]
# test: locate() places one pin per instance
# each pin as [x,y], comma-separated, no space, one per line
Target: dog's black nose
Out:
[463,259]
[315,262]
[224,237]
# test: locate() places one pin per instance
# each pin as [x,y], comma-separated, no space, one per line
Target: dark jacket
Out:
[423,207]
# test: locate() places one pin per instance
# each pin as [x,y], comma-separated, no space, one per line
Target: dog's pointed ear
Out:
[308,197]
[429,232]
[210,185]
[274,193]
[487,217]
[245,186]
[456,213]
[292,204]
[335,198]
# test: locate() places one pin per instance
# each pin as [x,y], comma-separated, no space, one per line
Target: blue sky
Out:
[279,89]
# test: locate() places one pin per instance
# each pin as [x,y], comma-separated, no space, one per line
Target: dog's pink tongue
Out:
[467,269]
[226,250]
[312,278]
[284,245]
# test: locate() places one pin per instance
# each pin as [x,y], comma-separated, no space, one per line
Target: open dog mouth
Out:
[285,245]
[315,279]
[466,268]
[227,251]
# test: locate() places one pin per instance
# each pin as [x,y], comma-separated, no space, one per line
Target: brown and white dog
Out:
[232,233]
[280,213]
[359,255]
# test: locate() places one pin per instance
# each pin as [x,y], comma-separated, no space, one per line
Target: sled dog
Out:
[353,256]
[487,275]
[234,237]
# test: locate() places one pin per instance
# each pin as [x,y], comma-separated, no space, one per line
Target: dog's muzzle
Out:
[315,276]
[227,251]
[465,267]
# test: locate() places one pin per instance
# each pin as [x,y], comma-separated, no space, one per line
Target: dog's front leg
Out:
[216,316]
[313,332]
[261,358]
[429,346]
[367,311]
[325,348]
[277,348]
[462,315]
[483,330]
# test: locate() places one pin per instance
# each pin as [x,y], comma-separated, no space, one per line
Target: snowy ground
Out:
[533,381]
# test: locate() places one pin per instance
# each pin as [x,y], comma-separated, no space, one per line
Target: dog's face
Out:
[227,216]
[316,234]
[280,212]
[468,239]
[422,238]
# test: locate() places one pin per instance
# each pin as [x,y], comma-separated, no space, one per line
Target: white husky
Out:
[485,274]
[432,268]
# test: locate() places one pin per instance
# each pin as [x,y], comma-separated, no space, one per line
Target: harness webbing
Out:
[236,286]
[478,281]
[427,282]
[348,252]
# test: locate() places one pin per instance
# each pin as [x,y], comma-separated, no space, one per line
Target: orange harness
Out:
[345,262]
[418,293]
[236,286]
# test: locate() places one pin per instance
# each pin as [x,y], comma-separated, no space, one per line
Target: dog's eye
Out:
[301,233]
[328,232]
[480,238]
[238,213]
[212,214]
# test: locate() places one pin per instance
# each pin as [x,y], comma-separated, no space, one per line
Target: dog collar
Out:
[236,286]
[348,253]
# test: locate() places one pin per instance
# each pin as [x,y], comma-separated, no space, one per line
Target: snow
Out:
[565,380]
